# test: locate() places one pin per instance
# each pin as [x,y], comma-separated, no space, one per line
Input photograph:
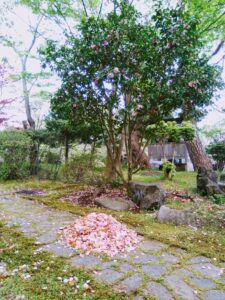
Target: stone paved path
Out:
[151,270]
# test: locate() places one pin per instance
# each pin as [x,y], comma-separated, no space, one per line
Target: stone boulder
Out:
[177,217]
[118,204]
[146,196]
[207,182]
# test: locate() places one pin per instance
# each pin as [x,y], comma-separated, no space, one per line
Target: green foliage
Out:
[211,18]
[169,169]
[116,182]
[51,157]
[217,150]
[218,199]
[171,132]
[80,168]
[14,153]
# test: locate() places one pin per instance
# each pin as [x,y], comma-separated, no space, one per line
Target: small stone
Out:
[198,260]
[107,276]
[214,295]
[202,283]
[130,283]
[180,288]
[154,271]
[207,270]
[86,261]
[158,291]
[145,258]
[126,268]
[151,246]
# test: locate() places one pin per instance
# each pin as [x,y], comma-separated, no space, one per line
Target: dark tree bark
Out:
[67,148]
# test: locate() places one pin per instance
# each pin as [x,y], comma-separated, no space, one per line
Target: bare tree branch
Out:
[221,44]
[85,9]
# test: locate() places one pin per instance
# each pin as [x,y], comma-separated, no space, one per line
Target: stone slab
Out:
[202,283]
[58,250]
[207,270]
[107,276]
[126,268]
[214,295]
[131,283]
[158,291]
[86,261]
[145,258]
[198,260]
[169,258]
[154,271]
[180,288]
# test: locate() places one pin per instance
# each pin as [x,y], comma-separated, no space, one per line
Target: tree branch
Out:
[85,9]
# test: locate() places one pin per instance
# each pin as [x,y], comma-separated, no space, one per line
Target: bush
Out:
[80,168]
[217,199]
[14,153]
[51,157]
[169,169]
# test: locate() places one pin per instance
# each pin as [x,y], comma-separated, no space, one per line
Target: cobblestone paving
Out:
[149,271]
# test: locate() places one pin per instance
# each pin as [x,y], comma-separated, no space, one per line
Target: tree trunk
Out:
[137,154]
[67,147]
[26,98]
[197,153]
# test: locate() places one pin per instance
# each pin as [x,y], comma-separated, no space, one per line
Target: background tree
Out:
[112,71]
[217,150]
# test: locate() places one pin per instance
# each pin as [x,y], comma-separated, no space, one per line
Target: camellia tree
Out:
[126,72]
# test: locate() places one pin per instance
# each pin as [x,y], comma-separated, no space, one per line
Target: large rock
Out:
[207,182]
[118,204]
[146,196]
[175,216]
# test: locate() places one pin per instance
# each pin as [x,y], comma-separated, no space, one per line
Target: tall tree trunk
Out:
[197,153]
[113,160]
[137,154]
[67,148]
[26,97]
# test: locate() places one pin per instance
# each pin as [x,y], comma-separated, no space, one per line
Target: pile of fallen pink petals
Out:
[100,233]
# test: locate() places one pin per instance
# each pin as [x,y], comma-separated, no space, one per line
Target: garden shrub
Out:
[217,199]
[169,169]
[14,153]
[80,168]
[51,157]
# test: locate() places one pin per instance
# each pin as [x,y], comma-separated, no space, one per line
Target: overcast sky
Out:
[21,18]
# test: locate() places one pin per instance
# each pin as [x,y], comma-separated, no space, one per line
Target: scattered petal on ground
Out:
[100,233]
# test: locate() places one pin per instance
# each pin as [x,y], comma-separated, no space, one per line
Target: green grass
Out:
[183,181]
[17,252]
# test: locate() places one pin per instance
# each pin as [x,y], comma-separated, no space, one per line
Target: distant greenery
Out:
[14,154]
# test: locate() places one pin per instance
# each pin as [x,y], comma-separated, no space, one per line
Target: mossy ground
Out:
[17,252]
[208,241]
